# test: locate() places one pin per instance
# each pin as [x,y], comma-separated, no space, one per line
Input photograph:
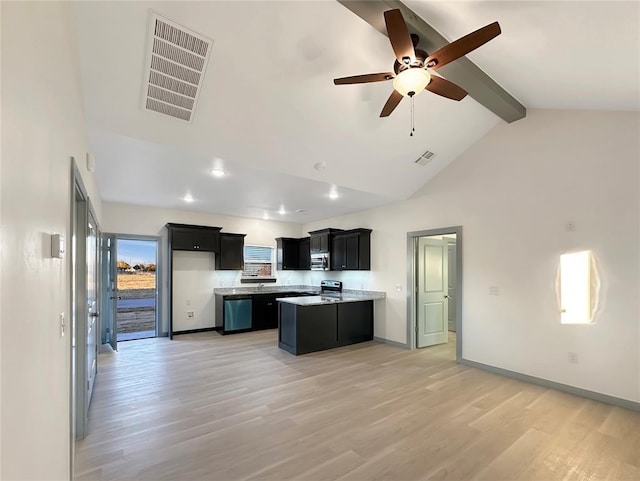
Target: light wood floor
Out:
[207,407]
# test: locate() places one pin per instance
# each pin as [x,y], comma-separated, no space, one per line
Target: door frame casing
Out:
[412,265]
[449,241]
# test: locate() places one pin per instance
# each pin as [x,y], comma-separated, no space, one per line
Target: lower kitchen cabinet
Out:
[265,311]
[249,312]
[355,322]
[304,329]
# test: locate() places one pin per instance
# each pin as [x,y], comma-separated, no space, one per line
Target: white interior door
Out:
[432,310]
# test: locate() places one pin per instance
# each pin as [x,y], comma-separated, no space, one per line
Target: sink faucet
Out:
[260,286]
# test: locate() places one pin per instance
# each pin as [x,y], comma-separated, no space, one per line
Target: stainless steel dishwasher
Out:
[237,313]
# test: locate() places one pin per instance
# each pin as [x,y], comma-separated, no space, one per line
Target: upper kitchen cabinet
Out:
[287,253]
[293,254]
[321,240]
[351,250]
[185,237]
[231,254]
[305,253]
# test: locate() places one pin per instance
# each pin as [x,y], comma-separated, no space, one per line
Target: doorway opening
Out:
[434,307]
[131,284]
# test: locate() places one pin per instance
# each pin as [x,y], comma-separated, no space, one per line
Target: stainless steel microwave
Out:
[320,262]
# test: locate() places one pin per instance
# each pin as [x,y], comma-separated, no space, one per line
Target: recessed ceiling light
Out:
[265,216]
[218,173]
[320,165]
[333,195]
[302,211]
[188,198]
[282,211]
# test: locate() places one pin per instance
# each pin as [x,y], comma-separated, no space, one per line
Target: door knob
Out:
[94,314]
[447,297]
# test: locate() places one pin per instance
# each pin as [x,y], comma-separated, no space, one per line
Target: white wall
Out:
[42,127]
[194,279]
[195,275]
[513,193]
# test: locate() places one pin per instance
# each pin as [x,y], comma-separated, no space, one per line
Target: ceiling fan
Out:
[411,68]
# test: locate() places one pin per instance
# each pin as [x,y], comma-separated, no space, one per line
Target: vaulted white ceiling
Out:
[269,110]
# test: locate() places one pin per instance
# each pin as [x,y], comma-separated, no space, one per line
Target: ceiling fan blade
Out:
[361,79]
[392,102]
[447,89]
[463,46]
[399,36]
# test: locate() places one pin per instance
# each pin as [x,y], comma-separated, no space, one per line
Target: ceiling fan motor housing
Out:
[421,56]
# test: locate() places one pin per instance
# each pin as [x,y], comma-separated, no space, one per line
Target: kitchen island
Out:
[316,323]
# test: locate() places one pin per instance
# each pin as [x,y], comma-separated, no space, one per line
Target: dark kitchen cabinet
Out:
[293,254]
[321,240]
[231,254]
[249,312]
[287,253]
[307,329]
[304,247]
[184,237]
[355,322]
[338,253]
[304,329]
[265,311]
[351,250]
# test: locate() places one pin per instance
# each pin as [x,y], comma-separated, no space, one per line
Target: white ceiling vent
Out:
[424,159]
[176,63]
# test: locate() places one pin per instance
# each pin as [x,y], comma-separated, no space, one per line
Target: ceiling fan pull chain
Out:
[412,119]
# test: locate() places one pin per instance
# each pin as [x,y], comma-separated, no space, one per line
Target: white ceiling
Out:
[269,110]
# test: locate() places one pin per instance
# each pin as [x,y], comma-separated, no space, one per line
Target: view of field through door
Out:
[132,288]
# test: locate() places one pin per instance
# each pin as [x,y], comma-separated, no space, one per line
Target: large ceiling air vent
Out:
[176,62]
[424,159]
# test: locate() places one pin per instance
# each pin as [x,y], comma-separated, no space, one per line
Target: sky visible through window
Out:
[136,251]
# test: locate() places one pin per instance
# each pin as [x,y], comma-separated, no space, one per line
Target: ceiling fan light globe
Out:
[411,80]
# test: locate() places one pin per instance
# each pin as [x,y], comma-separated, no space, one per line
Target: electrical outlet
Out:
[188,302]
[62,324]
[572,357]
[399,287]
[494,290]
[570,226]
[191,314]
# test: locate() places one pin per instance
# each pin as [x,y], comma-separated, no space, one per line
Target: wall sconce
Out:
[577,288]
